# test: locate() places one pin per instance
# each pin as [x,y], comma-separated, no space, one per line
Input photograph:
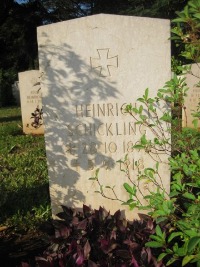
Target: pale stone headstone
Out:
[15,92]
[91,68]
[193,96]
[31,102]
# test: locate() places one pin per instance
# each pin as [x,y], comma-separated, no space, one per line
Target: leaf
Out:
[170,261]
[178,20]
[143,140]
[129,189]
[161,256]
[159,213]
[157,165]
[189,196]
[82,225]
[195,123]
[140,109]
[86,210]
[134,262]
[97,172]
[194,241]
[181,252]
[154,244]
[156,238]
[159,231]
[80,260]
[63,231]
[140,100]
[187,259]
[102,213]
[135,110]
[68,211]
[117,215]
[197,15]
[161,219]
[130,201]
[173,235]
[146,93]
[132,206]
[86,250]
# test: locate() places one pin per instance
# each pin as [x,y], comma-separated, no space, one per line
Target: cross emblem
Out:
[104,62]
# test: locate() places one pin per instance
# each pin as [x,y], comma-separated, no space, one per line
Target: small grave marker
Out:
[15,92]
[193,96]
[31,102]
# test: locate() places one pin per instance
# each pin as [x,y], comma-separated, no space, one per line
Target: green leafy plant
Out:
[186,31]
[176,213]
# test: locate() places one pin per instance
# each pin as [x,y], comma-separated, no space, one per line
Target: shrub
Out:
[96,238]
[176,214]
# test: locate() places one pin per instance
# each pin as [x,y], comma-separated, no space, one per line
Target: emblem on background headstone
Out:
[37,117]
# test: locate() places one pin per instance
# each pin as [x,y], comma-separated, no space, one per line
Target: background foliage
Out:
[19,19]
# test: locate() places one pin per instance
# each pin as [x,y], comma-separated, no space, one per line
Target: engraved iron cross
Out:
[104,62]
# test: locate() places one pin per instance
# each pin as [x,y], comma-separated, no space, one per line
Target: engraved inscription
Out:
[92,148]
[100,110]
[108,164]
[104,62]
[102,129]
[89,153]
[194,96]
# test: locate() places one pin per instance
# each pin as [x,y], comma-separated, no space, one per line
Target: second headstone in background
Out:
[15,92]
[192,100]
[31,102]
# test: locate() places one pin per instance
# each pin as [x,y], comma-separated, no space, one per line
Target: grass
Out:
[24,188]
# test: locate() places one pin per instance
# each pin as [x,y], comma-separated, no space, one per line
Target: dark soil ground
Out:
[18,246]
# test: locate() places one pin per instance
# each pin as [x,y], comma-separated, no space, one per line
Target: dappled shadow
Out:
[23,200]
[90,69]
[71,89]
[9,119]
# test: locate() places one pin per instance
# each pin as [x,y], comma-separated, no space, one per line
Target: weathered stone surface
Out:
[31,102]
[91,68]
[15,92]
[193,96]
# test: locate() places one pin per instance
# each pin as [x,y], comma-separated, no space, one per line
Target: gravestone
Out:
[193,96]
[15,92]
[91,69]
[31,102]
